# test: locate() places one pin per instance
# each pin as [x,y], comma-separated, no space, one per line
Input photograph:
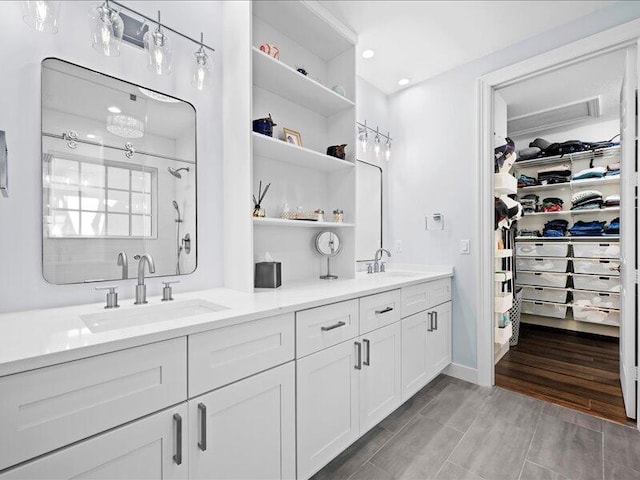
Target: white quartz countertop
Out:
[38,338]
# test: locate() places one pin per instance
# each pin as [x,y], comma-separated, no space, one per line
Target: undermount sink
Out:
[143,315]
[397,274]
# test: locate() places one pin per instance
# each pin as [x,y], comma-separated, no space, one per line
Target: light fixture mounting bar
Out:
[155,22]
[374,130]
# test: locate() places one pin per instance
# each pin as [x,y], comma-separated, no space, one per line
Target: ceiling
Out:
[597,77]
[421,39]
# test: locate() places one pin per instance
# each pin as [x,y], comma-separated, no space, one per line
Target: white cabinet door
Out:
[415,369]
[327,395]
[151,448]
[245,430]
[439,340]
[380,383]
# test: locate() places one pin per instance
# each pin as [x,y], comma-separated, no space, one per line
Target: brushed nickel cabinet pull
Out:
[430,327]
[358,365]
[367,352]
[331,327]
[385,310]
[202,413]
[177,420]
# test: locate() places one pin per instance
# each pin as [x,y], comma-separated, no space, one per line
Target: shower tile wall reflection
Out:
[98,200]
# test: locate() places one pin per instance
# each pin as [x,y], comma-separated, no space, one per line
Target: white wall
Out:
[435,127]
[22,286]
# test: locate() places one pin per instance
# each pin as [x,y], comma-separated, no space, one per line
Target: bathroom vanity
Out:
[219,383]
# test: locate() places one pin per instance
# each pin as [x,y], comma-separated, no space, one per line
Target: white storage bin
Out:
[596,315]
[597,266]
[596,283]
[555,295]
[537,249]
[596,250]
[542,264]
[596,299]
[544,309]
[542,279]
[502,335]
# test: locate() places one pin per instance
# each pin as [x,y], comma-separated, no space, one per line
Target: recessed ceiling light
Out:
[91,135]
[403,81]
[368,53]
[114,110]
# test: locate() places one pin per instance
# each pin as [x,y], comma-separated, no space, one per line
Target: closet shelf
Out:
[280,79]
[573,184]
[610,152]
[574,212]
[281,222]
[569,239]
[275,149]
[505,184]
[505,253]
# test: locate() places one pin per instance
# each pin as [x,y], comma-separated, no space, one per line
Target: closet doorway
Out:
[564,294]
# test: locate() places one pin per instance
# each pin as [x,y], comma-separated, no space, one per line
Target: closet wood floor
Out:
[579,371]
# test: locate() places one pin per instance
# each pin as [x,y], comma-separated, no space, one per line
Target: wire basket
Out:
[514,316]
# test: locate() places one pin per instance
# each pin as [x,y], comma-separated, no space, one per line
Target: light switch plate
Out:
[465,247]
[398,246]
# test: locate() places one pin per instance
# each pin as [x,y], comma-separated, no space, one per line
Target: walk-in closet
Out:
[565,206]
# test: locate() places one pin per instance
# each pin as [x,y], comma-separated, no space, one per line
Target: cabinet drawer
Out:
[222,356]
[417,298]
[322,327]
[45,409]
[379,310]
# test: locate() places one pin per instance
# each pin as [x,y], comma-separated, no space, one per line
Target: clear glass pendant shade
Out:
[201,70]
[363,139]
[376,144]
[41,15]
[107,28]
[158,46]
[387,150]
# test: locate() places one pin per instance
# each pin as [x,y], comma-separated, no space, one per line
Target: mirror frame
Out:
[42,186]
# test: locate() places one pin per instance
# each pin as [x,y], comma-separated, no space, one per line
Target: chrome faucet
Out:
[123,262]
[378,266]
[141,288]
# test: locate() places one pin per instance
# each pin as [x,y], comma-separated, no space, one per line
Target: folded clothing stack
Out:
[526,181]
[613,228]
[613,170]
[552,204]
[554,174]
[595,172]
[612,201]
[586,200]
[555,228]
[525,232]
[587,229]
[529,203]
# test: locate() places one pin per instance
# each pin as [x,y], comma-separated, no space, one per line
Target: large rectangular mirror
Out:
[369,210]
[119,177]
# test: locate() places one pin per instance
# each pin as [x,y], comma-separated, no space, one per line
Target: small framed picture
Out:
[291,136]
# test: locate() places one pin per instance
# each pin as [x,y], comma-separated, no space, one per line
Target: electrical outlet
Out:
[465,247]
[398,246]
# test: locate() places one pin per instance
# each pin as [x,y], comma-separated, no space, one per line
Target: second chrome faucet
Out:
[141,288]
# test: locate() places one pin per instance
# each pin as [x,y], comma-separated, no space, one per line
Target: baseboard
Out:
[462,372]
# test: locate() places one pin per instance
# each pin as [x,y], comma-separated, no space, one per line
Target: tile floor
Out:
[454,430]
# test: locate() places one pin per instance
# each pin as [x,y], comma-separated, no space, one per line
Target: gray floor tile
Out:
[418,450]
[454,472]
[346,464]
[621,445]
[369,471]
[531,471]
[566,448]
[613,471]
[573,416]
[407,411]
[514,409]
[492,448]
[457,405]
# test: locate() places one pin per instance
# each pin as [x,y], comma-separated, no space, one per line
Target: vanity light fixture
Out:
[41,15]
[158,46]
[201,69]
[107,28]
[368,53]
[376,143]
[114,109]
[403,81]
[387,149]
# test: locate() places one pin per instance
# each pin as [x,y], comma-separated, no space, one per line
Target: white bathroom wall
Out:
[435,131]
[22,286]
